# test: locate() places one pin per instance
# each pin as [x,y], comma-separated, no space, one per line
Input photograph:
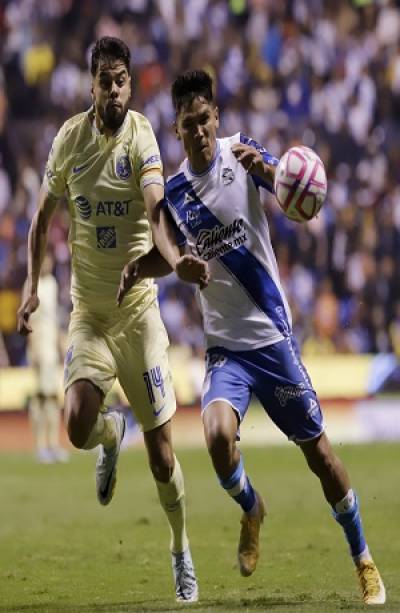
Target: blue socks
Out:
[347,514]
[239,487]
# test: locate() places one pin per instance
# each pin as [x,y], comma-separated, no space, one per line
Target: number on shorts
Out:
[153,379]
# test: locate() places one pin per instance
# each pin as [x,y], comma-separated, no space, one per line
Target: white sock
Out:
[38,421]
[172,498]
[346,503]
[103,433]
[53,417]
[364,556]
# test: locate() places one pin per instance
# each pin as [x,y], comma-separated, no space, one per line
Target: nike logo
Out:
[104,492]
[77,169]
[157,413]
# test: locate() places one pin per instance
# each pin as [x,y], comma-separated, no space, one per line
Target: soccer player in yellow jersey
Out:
[107,162]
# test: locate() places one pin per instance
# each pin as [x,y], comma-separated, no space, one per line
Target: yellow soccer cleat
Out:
[372,588]
[249,542]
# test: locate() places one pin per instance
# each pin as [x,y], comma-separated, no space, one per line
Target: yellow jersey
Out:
[104,178]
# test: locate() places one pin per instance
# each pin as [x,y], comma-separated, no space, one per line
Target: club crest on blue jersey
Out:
[83,207]
[123,167]
[227,176]
[193,217]
[106,237]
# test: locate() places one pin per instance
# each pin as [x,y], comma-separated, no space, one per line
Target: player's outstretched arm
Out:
[152,265]
[163,235]
[253,162]
[188,267]
[37,240]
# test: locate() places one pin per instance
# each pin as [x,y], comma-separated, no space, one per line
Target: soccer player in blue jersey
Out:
[215,205]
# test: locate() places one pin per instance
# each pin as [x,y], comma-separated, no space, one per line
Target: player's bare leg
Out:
[337,490]
[220,428]
[88,427]
[170,485]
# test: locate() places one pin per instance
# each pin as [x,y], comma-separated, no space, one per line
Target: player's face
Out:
[196,125]
[111,91]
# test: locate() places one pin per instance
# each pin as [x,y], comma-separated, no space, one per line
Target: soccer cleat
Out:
[249,546]
[186,588]
[372,588]
[44,456]
[59,455]
[106,466]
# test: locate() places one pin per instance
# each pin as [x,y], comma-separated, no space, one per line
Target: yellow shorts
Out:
[132,349]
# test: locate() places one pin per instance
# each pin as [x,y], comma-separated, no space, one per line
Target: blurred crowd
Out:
[325,73]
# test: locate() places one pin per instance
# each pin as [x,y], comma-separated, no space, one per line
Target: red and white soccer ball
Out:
[300,183]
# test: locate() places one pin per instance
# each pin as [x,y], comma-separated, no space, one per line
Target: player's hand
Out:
[193,270]
[29,305]
[129,276]
[251,159]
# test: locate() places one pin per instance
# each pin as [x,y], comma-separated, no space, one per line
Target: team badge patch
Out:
[106,237]
[227,176]
[123,167]
[193,217]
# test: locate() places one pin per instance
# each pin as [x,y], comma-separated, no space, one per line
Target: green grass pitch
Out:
[60,551]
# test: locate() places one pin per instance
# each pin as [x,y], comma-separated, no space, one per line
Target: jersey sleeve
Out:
[267,157]
[54,178]
[148,162]
[174,221]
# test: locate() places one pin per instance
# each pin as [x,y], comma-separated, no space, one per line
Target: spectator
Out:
[326,74]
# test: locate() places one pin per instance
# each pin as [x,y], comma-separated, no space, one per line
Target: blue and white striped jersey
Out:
[218,213]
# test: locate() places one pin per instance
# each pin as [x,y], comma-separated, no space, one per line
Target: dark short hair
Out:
[109,47]
[190,85]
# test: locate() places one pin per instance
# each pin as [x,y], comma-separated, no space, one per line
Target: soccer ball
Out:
[300,183]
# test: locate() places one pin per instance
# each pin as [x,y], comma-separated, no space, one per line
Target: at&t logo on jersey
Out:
[123,167]
[106,208]
[83,207]
[221,239]
[118,208]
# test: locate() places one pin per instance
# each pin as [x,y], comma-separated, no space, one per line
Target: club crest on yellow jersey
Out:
[123,167]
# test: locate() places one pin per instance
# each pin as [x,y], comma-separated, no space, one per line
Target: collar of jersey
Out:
[96,130]
[209,167]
